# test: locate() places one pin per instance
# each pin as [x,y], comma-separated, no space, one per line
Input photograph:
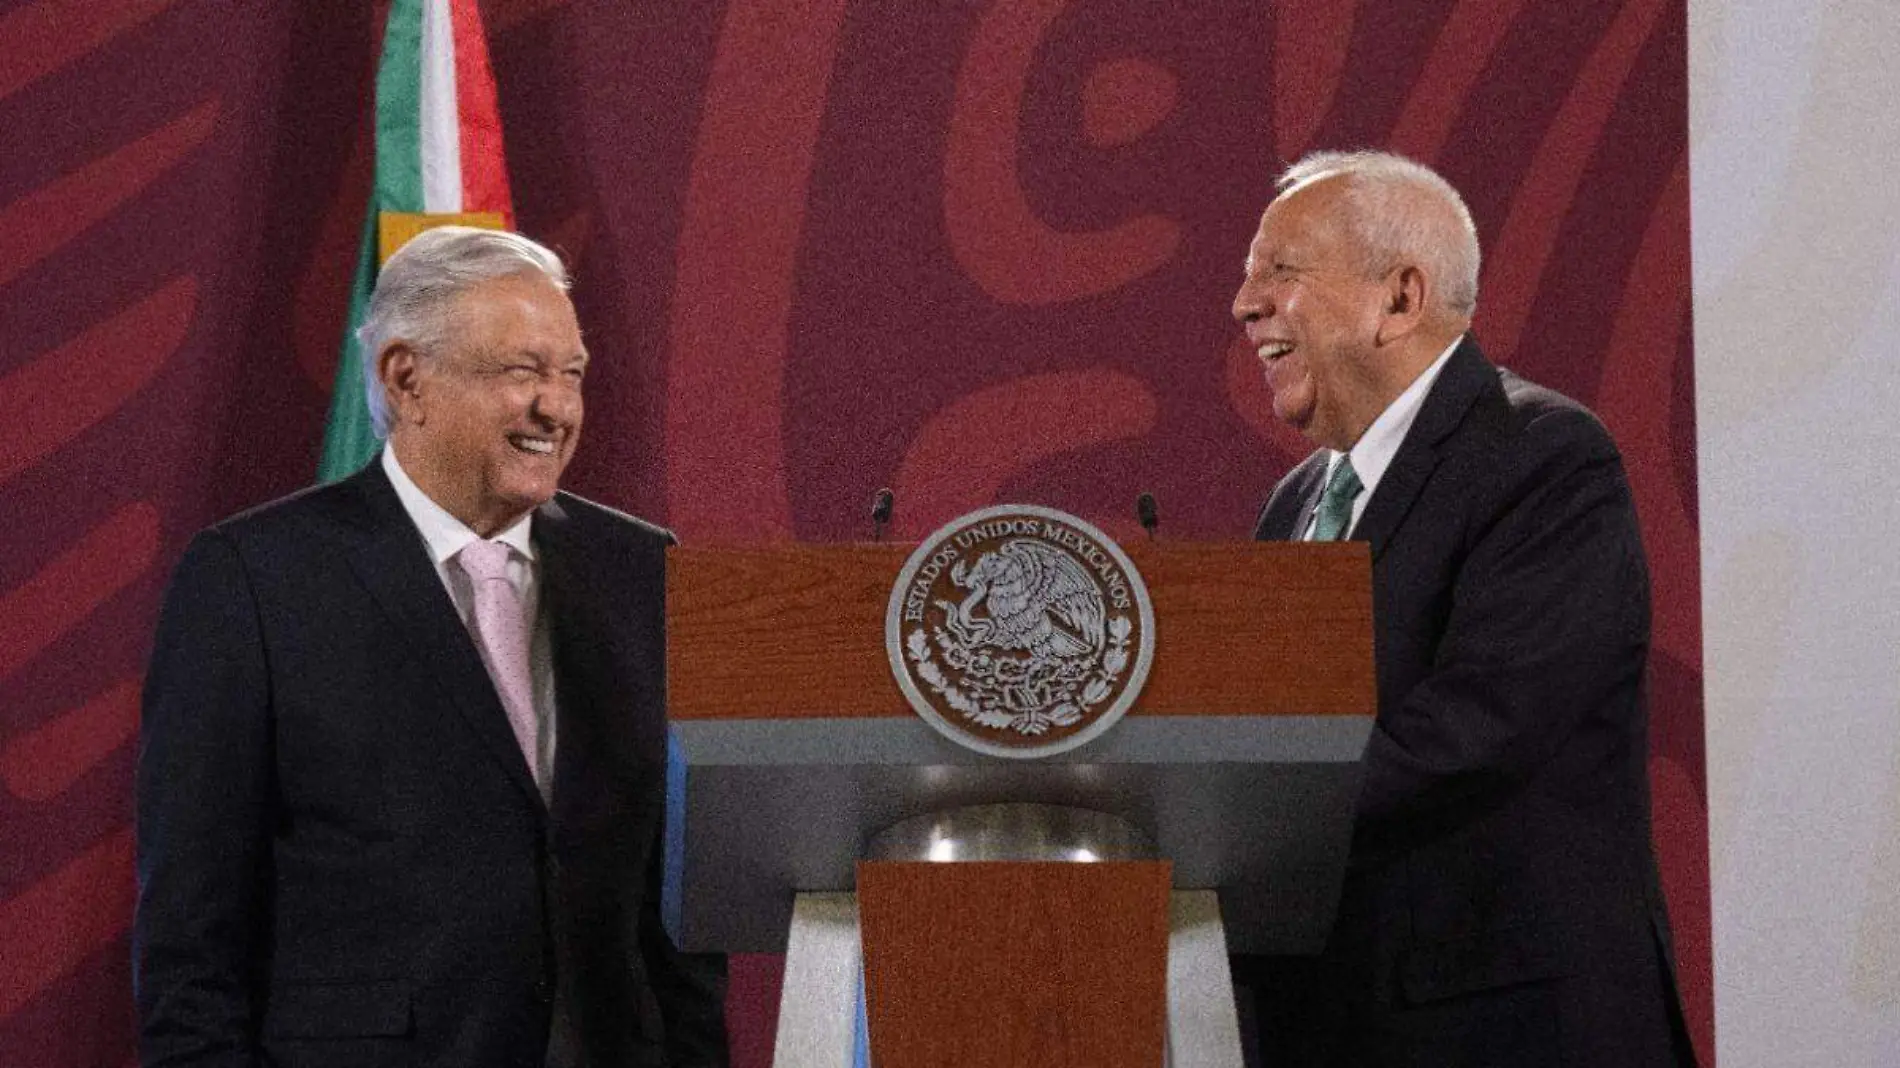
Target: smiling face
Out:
[486,425]
[1313,315]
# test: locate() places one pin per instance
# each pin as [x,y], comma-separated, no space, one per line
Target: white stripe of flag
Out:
[441,137]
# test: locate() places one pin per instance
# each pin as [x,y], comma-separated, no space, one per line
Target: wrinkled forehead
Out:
[1307,217]
[525,310]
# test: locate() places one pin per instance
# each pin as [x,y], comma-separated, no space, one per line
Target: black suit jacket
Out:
[1501,905]
[343,859]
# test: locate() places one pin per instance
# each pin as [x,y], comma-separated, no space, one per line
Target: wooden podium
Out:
[793,748]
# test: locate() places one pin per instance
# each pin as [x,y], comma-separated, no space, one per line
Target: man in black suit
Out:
[403,757]
[1501,905]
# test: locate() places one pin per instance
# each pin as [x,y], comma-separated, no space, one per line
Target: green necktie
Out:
[1335,505]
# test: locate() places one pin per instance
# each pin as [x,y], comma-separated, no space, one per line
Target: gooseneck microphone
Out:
[881,513]
[1145,513]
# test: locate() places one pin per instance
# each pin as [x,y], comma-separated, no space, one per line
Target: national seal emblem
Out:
[1020,631]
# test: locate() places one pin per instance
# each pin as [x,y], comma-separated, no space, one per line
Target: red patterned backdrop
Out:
[975,251]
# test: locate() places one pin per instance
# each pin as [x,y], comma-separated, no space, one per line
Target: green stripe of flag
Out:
[399,111]
[349,434]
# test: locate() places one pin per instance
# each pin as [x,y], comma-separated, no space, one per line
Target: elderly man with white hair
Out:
[403,756]
[1501,905]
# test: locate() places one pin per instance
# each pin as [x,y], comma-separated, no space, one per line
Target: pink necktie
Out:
[502,634]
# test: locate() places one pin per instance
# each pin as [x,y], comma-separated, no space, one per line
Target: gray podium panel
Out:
[1258,808]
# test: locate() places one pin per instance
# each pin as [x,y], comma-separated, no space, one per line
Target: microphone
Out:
[1146,515]
[881,513]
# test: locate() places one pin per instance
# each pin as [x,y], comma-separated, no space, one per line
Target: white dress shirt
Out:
[1374,451]
[446,535]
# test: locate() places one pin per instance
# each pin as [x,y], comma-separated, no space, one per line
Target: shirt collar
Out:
[1380,443]
[445,534]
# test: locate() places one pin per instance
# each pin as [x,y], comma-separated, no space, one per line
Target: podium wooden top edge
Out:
[796,631]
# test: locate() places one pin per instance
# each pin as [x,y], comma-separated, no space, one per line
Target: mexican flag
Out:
[438,160]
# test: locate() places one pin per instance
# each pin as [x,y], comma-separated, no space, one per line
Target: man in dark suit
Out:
[1501,905]
[403,756]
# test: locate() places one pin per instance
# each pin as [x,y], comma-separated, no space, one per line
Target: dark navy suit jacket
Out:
[343,859]
[1501,905]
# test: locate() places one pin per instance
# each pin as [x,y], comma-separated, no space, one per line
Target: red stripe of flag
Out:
[484,172]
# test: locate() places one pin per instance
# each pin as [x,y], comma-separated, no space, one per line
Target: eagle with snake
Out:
[1027,596]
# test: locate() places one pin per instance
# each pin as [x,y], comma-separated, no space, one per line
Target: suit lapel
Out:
[558,583]
[576,636]
[392,561]
[1309,505]
[1464,376]
[1290,507]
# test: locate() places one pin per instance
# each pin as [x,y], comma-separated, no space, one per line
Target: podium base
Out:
[821,1022]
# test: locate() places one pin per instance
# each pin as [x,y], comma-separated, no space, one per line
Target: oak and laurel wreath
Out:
[985,705]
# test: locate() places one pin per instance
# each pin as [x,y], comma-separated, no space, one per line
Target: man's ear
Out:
[1406,293]
[399,369]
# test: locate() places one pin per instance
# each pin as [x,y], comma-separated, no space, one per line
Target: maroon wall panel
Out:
[972,251]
